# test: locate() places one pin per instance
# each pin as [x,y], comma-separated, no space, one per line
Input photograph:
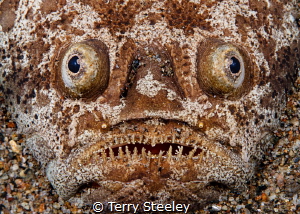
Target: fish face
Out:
[135,101]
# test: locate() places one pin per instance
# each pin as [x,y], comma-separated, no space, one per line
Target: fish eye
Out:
[223,69]
[84,69]
[235,65]
[73,64]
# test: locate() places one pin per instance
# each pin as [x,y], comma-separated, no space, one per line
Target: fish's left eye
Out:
[84,69]
[223,69]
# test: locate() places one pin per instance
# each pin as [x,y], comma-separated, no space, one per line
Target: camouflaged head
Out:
[134,101]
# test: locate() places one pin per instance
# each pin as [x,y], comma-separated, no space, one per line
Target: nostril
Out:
[130,78]
[135,64]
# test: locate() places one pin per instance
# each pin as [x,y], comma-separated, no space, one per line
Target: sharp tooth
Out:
[127,139]
[146,139]
[135,152]
[169,155]
[103,156]
[153,141]
[165,140]
[144,153]
[160,155]
[121,153]
[191,154]
[141,137]
[149,154]
[111,154]
[161,139]
[179,152]
[182,141]
[121,140]
[116,141]
[133,139]
[173,138]
[200,157]
[127,152]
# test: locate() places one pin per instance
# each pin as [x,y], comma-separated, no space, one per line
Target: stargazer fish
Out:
[155,101]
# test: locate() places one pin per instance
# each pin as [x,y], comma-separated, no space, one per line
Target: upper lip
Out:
[85,164]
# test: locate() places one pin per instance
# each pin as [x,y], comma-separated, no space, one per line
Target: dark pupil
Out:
[73,64]
[235,66]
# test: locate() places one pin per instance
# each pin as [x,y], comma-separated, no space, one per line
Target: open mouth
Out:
[169,154]
[164,139]
[170,149]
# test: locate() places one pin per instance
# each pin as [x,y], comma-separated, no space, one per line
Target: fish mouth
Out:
[149,158]
[153,150]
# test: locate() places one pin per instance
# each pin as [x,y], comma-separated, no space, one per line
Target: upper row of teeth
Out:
[144,155]
[135,138]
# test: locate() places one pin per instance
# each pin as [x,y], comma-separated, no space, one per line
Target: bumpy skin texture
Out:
[154,98]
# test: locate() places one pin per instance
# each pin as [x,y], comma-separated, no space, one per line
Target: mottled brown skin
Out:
[154,97]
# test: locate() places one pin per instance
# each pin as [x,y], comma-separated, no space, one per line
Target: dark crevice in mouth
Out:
[154,150]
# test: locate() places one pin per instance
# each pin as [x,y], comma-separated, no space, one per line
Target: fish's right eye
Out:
[84,69]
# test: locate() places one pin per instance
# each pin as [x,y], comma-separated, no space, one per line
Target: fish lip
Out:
[68,174]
